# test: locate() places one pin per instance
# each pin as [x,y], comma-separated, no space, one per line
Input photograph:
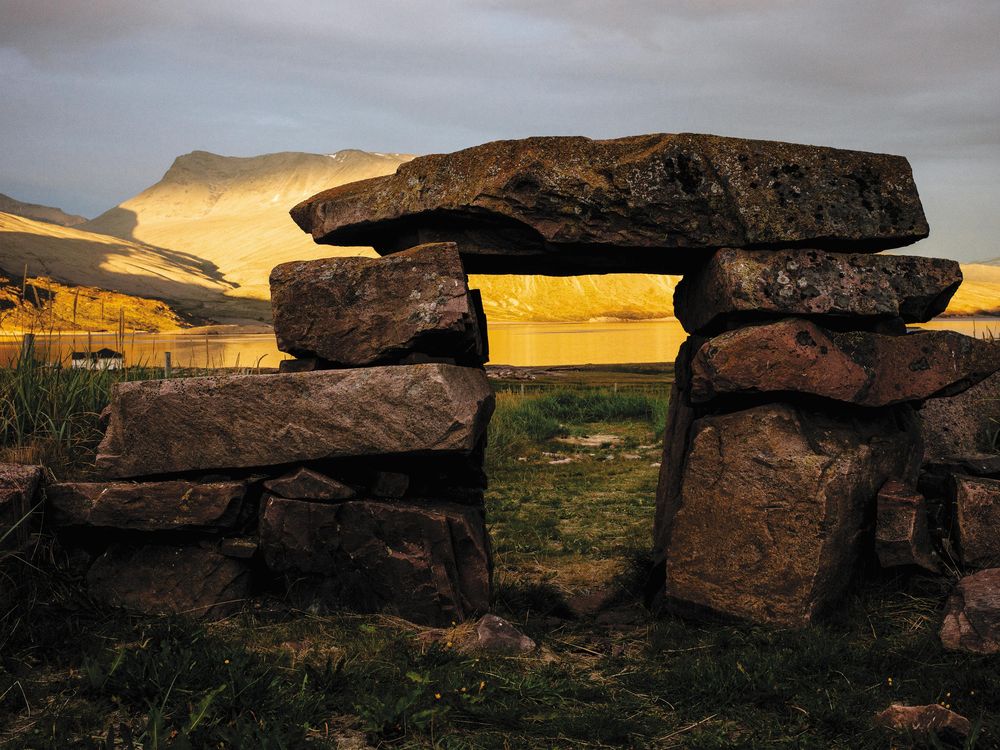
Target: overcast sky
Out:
[98,96]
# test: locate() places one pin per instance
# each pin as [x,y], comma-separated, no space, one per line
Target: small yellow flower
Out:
[890,680]
[448,644]
[482,684]
[947,695]
[437,696]
[463,690]
[226,661]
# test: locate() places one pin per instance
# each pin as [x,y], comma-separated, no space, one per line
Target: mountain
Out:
[52,215]
[218,224]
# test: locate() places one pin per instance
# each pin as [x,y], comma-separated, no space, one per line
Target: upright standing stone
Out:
[772,508]
[977,518]
[972,614]
[648,203]
[359,312]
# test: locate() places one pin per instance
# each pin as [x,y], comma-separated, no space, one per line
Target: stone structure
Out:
[354,477]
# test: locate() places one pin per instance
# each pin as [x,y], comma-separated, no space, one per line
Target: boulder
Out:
[972,614]
[429,563]
[358,312]
[773,508]
[965,424]
[924,721]
[18,488]
[494,635]
[901,534]
[649,203]
[159,579]
[233,421]
[977,519]
[737,287]
[306,484]
[868,369]
[148,506]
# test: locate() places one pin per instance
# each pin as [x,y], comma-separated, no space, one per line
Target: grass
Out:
[573,475]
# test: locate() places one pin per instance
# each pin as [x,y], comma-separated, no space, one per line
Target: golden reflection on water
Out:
[523,344]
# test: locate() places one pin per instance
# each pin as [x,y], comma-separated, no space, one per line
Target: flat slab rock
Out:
[160,579]
[148,506]
[858,367]
[964,424]
[233,421]
[741,286]
[18,489]
[306,484]
[924,720]
[646,203]
[976,501]
[972,614]
[355,312]
[428,564]
[772,509]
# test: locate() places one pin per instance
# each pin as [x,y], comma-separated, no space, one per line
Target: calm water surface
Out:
[526,344]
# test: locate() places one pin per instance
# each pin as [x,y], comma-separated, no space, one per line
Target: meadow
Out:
[573,468]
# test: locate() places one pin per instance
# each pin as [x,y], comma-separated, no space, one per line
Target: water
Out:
[524,344]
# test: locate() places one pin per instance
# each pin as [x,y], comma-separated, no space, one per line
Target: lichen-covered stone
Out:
[357,312]
[964,424]
[737,287]
[859,367]
[429,563]
[923,721]
[147,506]
[972,614]
[977,519]
[773,505]
[648,203]
[161,579]
[233,421]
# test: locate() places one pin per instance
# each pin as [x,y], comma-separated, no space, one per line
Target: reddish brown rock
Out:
[156,579]
[147,506]
[964,424]
[972,614]
[977,519]
[495,635]
[901,535]
[740,286]
[18,498]
[648,203]
[924,720]
[868,369]
[232,421]
[772,508]
[306,484]
[430,563]
[357,312]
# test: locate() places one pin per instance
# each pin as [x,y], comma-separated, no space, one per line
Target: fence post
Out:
[166,364]
[522,389]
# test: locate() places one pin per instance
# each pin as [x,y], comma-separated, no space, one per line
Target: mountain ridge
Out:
[38,212]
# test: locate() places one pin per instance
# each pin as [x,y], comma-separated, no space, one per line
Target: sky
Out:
[97,97]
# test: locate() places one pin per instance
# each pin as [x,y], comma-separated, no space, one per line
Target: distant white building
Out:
[102,359]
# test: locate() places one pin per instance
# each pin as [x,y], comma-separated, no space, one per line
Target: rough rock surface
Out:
[158,579]
[648,203]
[741,286]
[430,564]
[357,312]
[963,424]
[497,636]
[231,421]
[977,518]
[18,487]
[147,506]
[901,534]
[772,508]
[868,369]
[972,614]
[306,484]
[924,720]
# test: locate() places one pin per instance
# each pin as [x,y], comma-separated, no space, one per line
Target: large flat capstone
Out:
[649,203]
[737,287]
[772,508]
[859,367]
[240,421]
[357,312]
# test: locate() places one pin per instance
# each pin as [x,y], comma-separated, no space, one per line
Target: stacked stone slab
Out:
[357,482]
[792,420]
